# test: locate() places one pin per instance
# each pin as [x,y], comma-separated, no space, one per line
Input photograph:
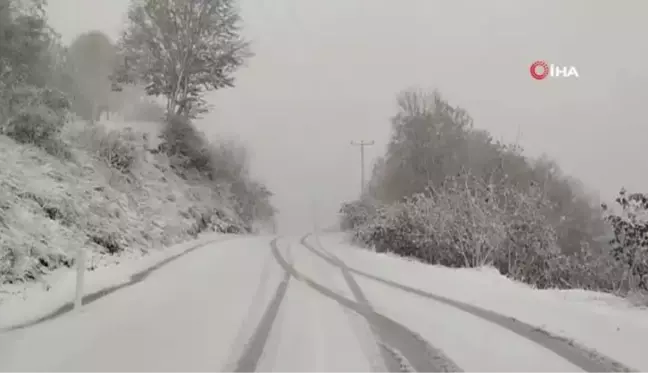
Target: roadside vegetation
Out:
[447,193]
[79,164]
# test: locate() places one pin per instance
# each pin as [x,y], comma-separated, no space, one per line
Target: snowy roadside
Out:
[603,322]
[23,303]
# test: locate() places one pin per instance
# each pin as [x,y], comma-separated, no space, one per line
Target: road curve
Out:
[396,338]
[269,304]
[227,306]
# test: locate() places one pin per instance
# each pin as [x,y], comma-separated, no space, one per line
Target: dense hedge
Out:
[466,224]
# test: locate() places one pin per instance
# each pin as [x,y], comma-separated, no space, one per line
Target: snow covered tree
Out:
[91,61]
[449,193]
[427,137]
[32,108]
[180,49]
[25,38]
[630,241]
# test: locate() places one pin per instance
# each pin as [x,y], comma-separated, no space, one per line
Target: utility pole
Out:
[315,222]
[362,145]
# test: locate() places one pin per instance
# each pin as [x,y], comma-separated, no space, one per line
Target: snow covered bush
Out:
[450,194]
[32,110]
[592,271]
[630,241]
[186,147]
[36,116]
[120,149]
[388,231]
[467,223]
[223,165]
[356,213]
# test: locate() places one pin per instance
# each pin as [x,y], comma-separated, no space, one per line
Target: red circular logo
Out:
[539,70]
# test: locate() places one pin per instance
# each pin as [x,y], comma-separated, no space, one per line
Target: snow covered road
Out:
[287,304]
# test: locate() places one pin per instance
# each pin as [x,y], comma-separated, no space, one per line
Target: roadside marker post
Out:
[81,263]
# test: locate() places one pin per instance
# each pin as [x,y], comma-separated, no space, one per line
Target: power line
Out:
[362,145]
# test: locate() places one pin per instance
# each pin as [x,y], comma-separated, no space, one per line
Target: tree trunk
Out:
[93,115]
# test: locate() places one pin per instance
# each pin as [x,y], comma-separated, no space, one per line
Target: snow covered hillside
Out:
[113,195]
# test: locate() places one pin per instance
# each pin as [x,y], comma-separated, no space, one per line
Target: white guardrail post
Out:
[81,264]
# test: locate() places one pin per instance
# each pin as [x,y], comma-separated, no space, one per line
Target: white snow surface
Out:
[183,317]
[199,312]
[313,333]
[603,322]
[196,314]
[27,302]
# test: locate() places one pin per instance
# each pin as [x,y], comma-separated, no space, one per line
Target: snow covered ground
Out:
[184,316]
[605,323]
[24,303]
[256,303]
[314,333]
[197,313]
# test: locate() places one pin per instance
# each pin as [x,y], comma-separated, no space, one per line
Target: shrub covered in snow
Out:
[223,165]
[32,108]
[119,149]
[467,224]
[630,241]
[357,213]
[36,115]
[447,194]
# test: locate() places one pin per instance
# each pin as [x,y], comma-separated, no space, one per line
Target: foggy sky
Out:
[327,71]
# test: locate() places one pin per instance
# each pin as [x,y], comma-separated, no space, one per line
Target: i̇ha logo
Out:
[540,70]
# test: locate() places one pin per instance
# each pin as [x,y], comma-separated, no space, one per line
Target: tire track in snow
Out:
[254,348]
[416,350]
[581,356]
[380,356]
[253,316]
[95,296]
[389,354]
